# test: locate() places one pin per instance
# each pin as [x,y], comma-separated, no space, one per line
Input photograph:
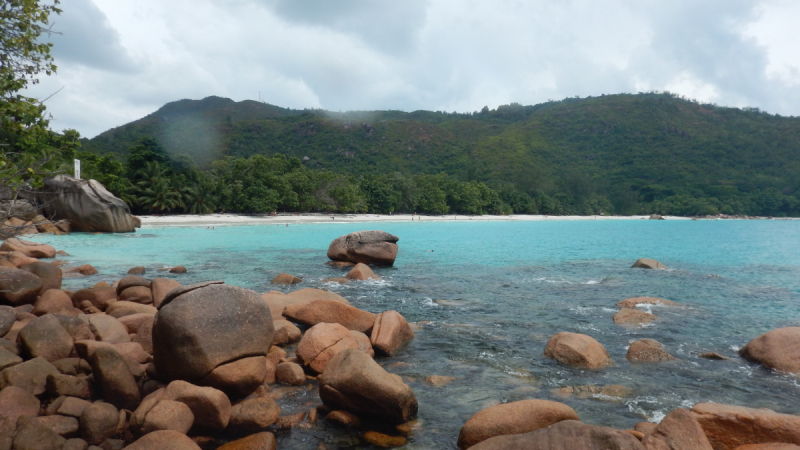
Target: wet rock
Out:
[564,435]
[647,350]
[330,311]
[46,338]
[138,270]
[363,342]
[713,356]
[259,441]
[124,308]
[54,301]
[168,415]
[194,331]
[322,342]
[645,263]
[286,422]
[439,380]
[579,350]
[254,414]
[632,317]
[632,302]
[286,279]
[512,418]
[354,382]
[137,294]
[383,440]
[390,333]
[159,287]
[31,435]
[99,422]
[18,287]
[285,332]
[15,402]
[100,298]
[368,247]
[211,407]
[679,430]
[30,376]
[73,386]
[163,440]
[361,272]
[177,269]
[238,378]
[28,248]
[729,426]
[778,349]
[114,377]
[344,418]
[49,274]
[290,373]
[108,329]
[85,269]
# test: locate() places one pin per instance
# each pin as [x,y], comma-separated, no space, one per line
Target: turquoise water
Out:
[509,287]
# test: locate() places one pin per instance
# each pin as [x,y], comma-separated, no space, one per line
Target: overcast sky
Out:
[119,60]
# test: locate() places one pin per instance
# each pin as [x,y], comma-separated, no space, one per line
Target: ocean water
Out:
[489,295]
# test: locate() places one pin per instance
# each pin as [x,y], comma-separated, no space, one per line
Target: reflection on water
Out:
[492,294]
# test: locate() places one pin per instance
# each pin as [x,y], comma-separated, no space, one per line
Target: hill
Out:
[629,148]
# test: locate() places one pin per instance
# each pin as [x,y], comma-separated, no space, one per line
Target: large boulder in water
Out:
[512,418]
[579,350]
[729,426]
[368,247]
[203,326]
[86,204]
[564,435]
[778,349]
[354,382]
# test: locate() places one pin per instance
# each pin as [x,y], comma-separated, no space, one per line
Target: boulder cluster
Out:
[152,363]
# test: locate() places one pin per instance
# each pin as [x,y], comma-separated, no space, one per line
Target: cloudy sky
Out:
[119,60]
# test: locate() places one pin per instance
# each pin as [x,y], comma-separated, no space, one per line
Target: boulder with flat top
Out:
[368,247]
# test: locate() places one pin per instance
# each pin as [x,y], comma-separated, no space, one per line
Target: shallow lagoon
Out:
[508,287]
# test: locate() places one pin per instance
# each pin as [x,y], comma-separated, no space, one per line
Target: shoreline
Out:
[307,218]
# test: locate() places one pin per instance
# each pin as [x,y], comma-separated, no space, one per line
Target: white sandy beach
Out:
[288,218]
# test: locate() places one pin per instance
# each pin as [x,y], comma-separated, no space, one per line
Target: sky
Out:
[120,60]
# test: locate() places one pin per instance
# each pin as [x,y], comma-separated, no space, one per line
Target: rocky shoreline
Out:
[152,363]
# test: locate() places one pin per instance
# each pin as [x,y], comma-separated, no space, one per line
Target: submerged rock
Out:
[368,247]
[286,279]
[632,302]
[646,263]
[647,350]
[632,317]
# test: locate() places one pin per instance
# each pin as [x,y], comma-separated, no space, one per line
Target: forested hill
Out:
[629,149]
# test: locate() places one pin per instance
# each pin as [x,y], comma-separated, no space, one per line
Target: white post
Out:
[78,169]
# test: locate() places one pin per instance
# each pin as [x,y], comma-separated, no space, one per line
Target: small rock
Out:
[108,329]
[164,440]
[290,373]
[285,333]
[330,311]
[364,343]
[286,422]
[439,380]
[100,298]
[138,270]
[211,407]
[361,272]
[259,441]
[114,377]
[32,435]
[580,350]
[645,263]
[168,415]
[344,418]
[647,351]
[45,337]
[383,440]
[159,288]
[322,342]
[238,378]
[632,302]
[72,406]
[713,356]
[54,301]
[286,279]
[178,269]
[85,269]
[99,422]
[30,376]
[137,294]
[62,425]
[254,414]
[72,386]
[634,317]
[14,403]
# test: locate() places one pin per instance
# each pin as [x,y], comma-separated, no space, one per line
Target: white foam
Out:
[427,301]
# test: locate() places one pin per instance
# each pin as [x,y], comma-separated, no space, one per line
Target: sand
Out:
[288,218]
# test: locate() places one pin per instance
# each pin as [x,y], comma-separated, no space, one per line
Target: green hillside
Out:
[640,153]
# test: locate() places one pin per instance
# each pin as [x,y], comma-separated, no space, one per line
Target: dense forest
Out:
[616,154]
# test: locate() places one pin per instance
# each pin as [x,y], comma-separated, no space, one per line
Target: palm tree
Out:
[197,199]
[160,196]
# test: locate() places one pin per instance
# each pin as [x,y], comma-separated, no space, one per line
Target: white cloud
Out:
[119,61]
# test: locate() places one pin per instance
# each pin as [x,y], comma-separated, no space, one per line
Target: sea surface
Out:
[487,296]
